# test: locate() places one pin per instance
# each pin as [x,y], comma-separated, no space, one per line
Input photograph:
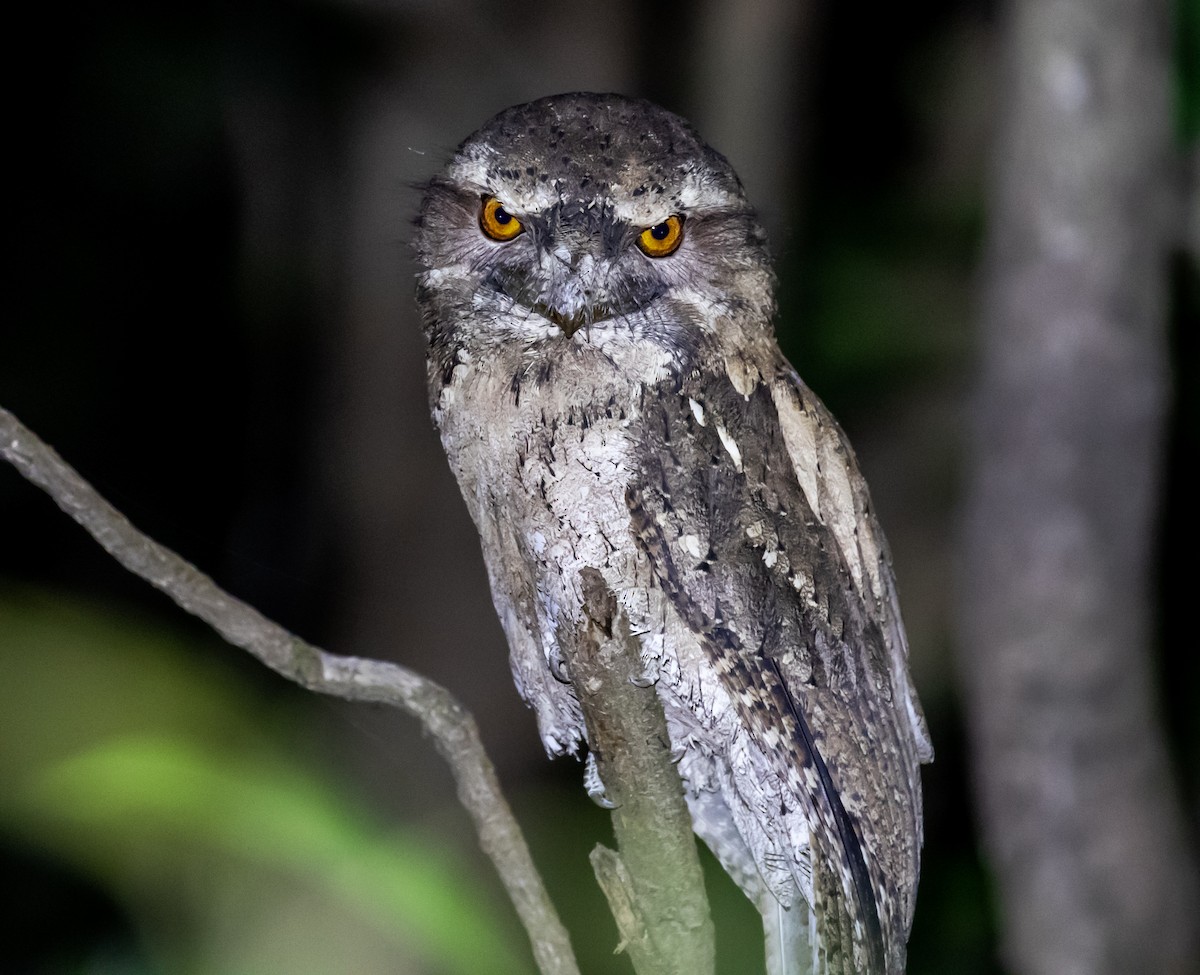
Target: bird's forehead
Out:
[631,158]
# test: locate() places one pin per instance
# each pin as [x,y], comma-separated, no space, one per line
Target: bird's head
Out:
[588,219]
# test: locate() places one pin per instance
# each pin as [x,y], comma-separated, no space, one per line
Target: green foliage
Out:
[1187,69]
[127,755]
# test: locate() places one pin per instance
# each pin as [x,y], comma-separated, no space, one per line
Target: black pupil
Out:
[660,231]
[501,215]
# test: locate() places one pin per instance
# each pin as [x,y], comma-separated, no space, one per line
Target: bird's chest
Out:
[544,462]
[546,475]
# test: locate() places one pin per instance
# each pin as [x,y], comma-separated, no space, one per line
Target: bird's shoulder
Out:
[767,517]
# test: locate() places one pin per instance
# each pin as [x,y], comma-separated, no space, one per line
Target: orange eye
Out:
[497,222]
[663,238]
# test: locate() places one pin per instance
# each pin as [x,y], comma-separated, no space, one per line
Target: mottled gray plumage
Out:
[611,410]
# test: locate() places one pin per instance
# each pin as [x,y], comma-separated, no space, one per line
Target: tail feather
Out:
[791,938]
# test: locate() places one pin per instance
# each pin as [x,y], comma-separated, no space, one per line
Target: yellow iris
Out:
[497,222]
[663,238]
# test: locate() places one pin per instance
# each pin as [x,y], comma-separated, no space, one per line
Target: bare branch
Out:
[654,887]
[451,727]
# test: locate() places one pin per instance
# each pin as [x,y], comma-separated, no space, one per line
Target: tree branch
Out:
[451,727]
[654,886]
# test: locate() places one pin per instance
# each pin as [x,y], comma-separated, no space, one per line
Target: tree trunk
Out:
[1079,812]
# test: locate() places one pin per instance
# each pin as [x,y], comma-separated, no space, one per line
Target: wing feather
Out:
[757,527]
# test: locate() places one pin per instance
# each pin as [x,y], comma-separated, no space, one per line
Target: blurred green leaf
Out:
[131,756]
[150,789]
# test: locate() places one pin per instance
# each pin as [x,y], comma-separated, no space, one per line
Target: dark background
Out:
[210,317]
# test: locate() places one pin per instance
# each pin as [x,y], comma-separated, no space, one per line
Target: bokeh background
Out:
[211,317]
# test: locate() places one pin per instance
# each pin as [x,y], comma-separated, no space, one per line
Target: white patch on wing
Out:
[697,411]
[872,558]
[730,445]
[800,438]
[743,374]
[822,468]
[838,501]
[803,583]
[691,545]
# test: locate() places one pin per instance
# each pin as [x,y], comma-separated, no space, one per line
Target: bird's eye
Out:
[497,222]
[663,238]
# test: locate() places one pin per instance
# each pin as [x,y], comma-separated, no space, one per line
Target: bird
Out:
[598,303]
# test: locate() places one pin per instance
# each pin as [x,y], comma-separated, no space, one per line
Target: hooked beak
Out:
[572,322]
[574,297]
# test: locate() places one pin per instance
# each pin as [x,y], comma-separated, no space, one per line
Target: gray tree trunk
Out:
[751,79]
[1080,816]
